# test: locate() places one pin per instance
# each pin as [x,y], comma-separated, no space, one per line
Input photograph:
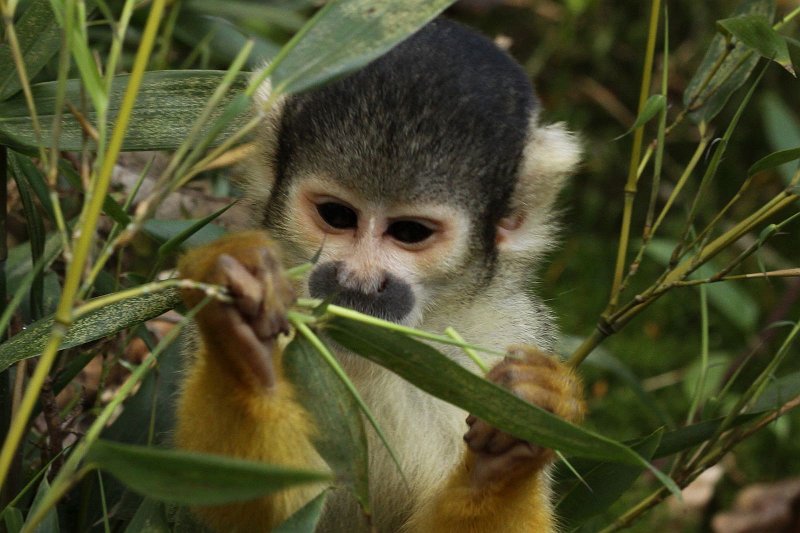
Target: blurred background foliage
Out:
[586,59]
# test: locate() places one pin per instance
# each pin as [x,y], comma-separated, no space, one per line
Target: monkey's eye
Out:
[409,231]
[337,215]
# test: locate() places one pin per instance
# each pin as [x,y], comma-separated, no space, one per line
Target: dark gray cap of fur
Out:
[442,117]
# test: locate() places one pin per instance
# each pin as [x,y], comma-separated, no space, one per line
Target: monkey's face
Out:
[383,259]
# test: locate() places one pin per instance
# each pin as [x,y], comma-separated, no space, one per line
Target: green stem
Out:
[636,149]
[71,473]
[85,238]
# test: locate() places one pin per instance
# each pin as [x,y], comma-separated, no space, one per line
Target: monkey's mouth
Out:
[393,301]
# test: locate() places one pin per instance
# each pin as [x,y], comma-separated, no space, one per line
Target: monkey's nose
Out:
[390,299]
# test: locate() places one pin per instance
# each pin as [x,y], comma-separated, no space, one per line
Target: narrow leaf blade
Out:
[434,373]
[774,160]
[654,105]
[193,478]
[349,34]
[341,439]
[715,81]
[167,104]
[101,323]
[756,32]
[606,483]
[39,39]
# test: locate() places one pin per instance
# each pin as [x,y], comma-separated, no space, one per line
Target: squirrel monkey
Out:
[428,182]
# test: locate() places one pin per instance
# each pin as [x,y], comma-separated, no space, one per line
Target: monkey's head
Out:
[421,177]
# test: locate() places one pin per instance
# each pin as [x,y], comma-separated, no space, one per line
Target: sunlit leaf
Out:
[346,35]
[101,323]
[167,104]
[193,478]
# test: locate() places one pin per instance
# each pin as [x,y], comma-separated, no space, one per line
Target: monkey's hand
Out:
[245,330]
[234,400]
[542,380]
[499,484]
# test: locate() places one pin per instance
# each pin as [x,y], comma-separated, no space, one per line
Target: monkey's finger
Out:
[479,435]
[500,442]
[253,355]
[270,322]
[492,468]
[246,289]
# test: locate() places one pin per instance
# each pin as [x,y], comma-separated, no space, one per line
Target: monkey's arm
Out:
[234,399]
[501,482]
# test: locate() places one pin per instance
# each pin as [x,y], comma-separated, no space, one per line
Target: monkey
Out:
[426,183]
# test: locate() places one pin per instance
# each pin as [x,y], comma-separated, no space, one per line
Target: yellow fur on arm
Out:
[216,414]
[518,506]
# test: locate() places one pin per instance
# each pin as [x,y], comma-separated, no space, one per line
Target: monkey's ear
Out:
[257,173]
[550,155]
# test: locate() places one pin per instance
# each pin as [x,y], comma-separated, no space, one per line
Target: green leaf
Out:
[150,517]
[39,39]
[346,35]
[436,374]
[722,72]
[222,40]
[101,323]
[36,232]
[19,262]
[254,15]
[654,105]
[167,104]
[756,32]
[110,206]
[13,519]
[782,128]
[152,408]
[606,483]
[193,478]
[341,440]
[774,160]
[185,234]
[36,180]
[49,524]
[778,392]
[690,436]
[305,519]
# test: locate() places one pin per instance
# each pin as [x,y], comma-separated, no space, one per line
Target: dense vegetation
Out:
[677,285]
